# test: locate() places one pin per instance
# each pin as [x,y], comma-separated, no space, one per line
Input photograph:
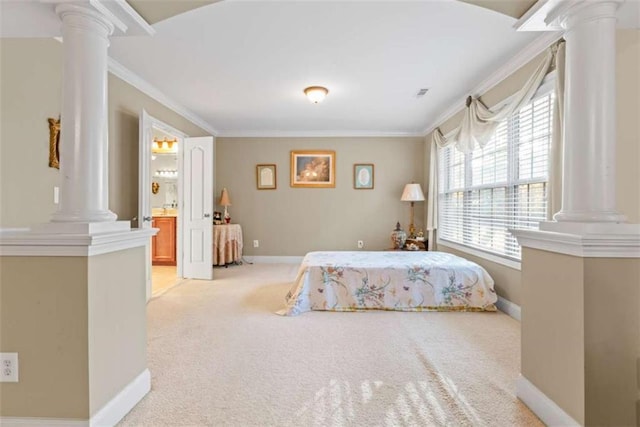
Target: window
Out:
[504,185]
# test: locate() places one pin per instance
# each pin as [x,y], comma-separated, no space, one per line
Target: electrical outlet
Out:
[256,243]
[9,367]
[56,195]
[360,244]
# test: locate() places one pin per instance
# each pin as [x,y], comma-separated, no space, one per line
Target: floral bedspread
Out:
[403,281]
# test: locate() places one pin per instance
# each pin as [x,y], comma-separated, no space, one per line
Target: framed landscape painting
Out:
[313,168]
[363,176]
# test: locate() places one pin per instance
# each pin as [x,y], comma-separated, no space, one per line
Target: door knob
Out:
[207,215]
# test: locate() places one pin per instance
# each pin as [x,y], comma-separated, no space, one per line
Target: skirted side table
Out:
[227,244]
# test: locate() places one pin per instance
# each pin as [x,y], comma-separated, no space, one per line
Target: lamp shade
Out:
[224,198]
[412,193]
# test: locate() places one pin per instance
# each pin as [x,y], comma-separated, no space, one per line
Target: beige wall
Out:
[628,154]
[78,325]
[581,335]
[30,88]
[294,221]
[612,341]
[117,323]
[43,312]
[553,327]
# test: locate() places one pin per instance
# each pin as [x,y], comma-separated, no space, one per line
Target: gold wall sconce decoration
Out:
[54,142]
[155,187]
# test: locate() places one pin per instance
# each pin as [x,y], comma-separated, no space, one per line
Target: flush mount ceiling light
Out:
[316,93]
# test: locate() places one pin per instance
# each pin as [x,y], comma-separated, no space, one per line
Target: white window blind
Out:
[504,185]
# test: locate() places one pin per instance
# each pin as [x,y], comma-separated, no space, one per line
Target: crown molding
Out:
[126,20]
[122,72]
[316,133]
[532,50]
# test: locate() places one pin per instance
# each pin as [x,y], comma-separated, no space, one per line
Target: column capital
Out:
[77,15]
[568,14]
[560,15]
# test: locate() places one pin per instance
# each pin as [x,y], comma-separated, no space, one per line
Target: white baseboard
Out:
[123,402]
[546,409]
[109,415]
[274,259]
[509,308]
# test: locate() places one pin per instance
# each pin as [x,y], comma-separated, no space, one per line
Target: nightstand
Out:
[421,244]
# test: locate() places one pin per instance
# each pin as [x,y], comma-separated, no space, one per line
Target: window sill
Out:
[516,265]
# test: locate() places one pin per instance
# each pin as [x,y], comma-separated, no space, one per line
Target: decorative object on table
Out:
[313,168]
[225,201]
[316,94]
[415,245]
[54,142]
[412,193]
[155,187]
[412,247]
[217,218]
[398,237]
[363,176]
[266,177]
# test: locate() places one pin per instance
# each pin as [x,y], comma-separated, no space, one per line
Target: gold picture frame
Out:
[54,142]
[363,176]
[266,178]
[313,169]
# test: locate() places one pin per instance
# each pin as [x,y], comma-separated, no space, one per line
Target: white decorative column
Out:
[589,173]
[84,192]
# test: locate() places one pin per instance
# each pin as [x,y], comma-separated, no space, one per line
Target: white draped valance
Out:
[479,124]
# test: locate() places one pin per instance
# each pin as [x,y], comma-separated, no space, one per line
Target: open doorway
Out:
[160,201]
[165,212]
[183,167]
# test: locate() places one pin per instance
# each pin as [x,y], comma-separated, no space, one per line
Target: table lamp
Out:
[412,193]
[225,201]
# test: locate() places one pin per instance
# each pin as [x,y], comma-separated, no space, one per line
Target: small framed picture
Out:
[363,176]
[313,168]
[266,177]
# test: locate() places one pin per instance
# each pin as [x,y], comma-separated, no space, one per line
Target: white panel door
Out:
[144,184]
[198,208]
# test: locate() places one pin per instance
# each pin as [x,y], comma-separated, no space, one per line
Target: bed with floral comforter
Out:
[400,280]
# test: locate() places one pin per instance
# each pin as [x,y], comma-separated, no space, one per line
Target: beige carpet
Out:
[219,356]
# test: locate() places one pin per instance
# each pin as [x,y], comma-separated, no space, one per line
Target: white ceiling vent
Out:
[421,92]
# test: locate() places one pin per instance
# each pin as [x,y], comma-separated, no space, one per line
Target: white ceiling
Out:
[242,66]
